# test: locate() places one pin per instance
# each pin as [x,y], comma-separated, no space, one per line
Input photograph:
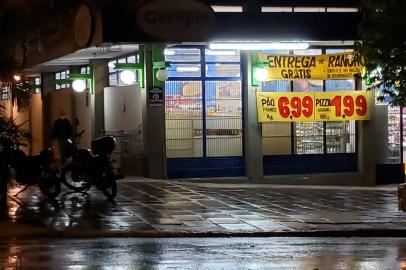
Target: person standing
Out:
[62,130]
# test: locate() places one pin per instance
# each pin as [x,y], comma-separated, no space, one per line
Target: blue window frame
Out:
[204,116]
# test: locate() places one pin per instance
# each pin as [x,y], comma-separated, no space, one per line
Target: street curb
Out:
[70,234]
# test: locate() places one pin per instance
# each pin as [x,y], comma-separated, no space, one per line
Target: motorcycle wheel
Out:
[110,189]
[73,178]
[50,184]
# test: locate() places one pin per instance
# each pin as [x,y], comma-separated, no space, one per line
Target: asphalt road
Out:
[205,253]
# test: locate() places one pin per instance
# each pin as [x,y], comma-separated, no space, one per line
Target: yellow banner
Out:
[312,106]
[313,67]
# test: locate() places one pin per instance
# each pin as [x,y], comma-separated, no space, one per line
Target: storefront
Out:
[203,120]
[205,127]
[203,113]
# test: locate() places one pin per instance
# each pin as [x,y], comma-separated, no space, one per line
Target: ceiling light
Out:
[225,53]
[127,77]
[257,46]
[220,8]
[187,69]
[79,85]
[169,52]
[17,78]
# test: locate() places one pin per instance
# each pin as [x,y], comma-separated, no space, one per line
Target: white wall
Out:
[37,122]
[122,108]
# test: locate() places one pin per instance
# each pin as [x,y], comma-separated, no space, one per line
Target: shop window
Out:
[113,80]
[37,83]
[85,70]
[61,76]
[223,70]
[114,77]
[308,137]
[184,70]
[183,119]
[340,136]
[394,135]
[276,86]
[5,93]
[276,136]
[403,145]
[221,56]
[222,118]
[132,59]
[223,104]
[182,55]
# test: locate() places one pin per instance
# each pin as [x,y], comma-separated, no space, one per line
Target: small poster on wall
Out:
[155,97]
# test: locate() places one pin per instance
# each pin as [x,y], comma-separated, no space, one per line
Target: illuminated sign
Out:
[314,67]
[312,106]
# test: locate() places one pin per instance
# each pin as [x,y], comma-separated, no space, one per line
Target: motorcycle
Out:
[40,170]
[92,168]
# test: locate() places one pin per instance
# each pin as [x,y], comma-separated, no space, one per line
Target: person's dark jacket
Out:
[62,129]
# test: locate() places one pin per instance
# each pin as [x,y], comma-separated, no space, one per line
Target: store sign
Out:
[312,106]
[175,20]
[155,97]
[315,67]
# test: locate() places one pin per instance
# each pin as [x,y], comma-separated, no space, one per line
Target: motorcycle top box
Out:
[83,155]
[104,145]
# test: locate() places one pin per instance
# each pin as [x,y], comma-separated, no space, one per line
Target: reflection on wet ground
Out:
[206,253]
[175,206]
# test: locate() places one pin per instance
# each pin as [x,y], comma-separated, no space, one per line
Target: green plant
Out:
[11,134]
[383,44]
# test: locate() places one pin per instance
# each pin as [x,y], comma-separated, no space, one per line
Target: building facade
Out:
[199,119]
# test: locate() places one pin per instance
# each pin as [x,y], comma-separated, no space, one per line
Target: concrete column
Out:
[73,70]
[154,120]
[367,148]
[100,80]
[47,86]
[253,129]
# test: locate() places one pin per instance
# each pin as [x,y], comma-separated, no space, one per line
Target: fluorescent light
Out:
[218,8]
[256,46]
[187,69]
[309,9]
[169,52]
[228,53]
[276,9]
[343,9]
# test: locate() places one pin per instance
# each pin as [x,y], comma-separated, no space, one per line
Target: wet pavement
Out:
[184,207]
[206,253]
